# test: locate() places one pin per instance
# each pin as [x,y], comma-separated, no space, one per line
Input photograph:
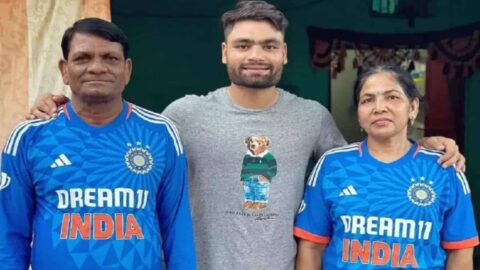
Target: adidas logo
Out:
[4,180]
[61,161]
[348,191]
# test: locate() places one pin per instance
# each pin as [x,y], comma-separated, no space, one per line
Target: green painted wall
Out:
[171,58]
[175,54]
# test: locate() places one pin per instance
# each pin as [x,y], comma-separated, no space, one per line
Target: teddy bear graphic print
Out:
[259,167]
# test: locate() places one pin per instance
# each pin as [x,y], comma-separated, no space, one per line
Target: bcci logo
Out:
[421,193]
[138,159]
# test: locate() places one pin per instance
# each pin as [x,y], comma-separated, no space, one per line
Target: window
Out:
[383,7]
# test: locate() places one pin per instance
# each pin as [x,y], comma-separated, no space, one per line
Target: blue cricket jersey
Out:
[74,196]
[375,215]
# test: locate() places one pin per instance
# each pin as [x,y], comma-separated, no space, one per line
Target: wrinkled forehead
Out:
[86,42]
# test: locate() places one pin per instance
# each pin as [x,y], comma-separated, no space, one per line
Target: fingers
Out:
[29,116]
[36,113]
[44,108]
[439,146]
[434,142]
[460,165]
[451,154]
[49,107]
[442,144]
[60,99]
[448,160]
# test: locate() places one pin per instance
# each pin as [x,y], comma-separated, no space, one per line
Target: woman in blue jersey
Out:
[385,202]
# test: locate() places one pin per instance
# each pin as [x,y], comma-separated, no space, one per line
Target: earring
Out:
[412,120]
[361,130]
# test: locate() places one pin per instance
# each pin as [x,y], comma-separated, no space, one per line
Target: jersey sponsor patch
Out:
[101,225]
[379,253]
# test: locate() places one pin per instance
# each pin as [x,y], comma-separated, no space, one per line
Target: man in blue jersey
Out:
[104,184]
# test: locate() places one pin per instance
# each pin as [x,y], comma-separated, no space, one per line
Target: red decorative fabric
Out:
[458,48]
[461,55]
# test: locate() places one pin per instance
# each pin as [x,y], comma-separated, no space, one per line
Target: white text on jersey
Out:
[102,197]
[384,226]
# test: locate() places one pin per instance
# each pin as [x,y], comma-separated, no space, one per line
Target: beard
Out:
[97,94]
[270,79]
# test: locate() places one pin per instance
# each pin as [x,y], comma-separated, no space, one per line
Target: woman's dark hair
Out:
[399,74]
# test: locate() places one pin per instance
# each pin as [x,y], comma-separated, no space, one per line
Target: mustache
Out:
[257,64]
[94,79]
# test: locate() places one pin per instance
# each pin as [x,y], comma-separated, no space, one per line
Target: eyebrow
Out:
[250,41]
[384,93]
[392,90]
[271,40]
[111,53]
[243,40]
[88,53]
[79,53]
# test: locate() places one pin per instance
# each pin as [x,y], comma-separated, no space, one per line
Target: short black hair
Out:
[399,74]
[254,10]
[96,27]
